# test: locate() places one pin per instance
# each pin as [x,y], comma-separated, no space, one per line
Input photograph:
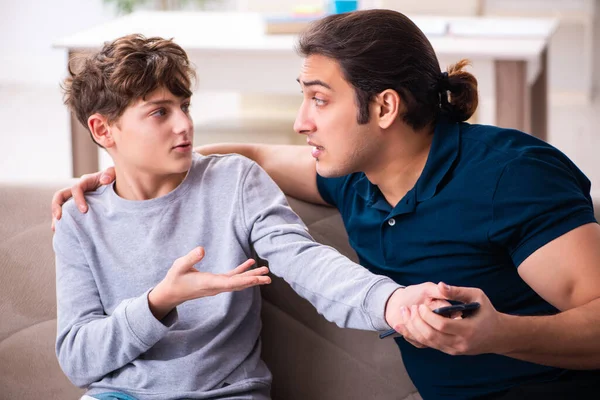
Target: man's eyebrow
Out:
[316,82]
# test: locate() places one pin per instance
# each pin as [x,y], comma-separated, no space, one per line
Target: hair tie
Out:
[443,82]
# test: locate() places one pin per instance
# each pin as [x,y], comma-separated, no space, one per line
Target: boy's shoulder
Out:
[230,165]
[70,209]
[223,160]
[92,198]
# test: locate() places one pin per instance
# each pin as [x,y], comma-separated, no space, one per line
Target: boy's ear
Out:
[101,130]
[389,106]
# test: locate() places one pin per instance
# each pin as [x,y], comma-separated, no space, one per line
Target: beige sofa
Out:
[310,358]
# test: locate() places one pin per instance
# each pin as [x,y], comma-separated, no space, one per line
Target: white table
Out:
[232,52]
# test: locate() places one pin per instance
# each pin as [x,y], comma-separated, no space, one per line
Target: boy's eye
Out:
[185,107]
[159,113]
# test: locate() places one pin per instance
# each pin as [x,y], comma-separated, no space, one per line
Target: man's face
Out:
[155,135]
[328,118]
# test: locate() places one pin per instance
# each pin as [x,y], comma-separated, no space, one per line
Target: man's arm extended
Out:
[566,273]
[291,166]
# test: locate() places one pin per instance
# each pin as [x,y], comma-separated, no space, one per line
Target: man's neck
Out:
[141,185]
[401,163]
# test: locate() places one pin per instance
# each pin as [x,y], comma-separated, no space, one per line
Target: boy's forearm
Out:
[343,292]
[570,339]
[116,340]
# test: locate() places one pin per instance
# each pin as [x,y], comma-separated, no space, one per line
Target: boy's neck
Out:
[142,185]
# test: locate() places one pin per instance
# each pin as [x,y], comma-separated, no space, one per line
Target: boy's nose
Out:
[184,124]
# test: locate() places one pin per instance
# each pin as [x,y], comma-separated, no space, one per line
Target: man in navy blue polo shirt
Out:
[503,218]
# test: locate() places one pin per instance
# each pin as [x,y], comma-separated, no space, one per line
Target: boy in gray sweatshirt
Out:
[149,304]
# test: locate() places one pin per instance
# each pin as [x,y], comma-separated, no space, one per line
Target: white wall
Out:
[35,125]
[35,128]
[28,29]
[572,48]
[439,7]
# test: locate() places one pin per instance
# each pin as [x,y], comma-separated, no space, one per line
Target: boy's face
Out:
[154,135]
[328,117]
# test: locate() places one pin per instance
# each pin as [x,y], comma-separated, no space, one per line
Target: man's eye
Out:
[186,107]
[319,102]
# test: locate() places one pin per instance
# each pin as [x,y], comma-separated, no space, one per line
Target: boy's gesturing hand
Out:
[184,282]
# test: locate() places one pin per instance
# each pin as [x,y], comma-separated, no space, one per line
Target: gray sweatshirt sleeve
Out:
[344,292]
[90,343]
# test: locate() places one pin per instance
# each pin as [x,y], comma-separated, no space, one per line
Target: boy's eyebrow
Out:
[315,82]
[160,102]
[157,102]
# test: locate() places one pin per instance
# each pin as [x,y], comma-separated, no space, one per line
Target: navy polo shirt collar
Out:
[443,153]
[371,193]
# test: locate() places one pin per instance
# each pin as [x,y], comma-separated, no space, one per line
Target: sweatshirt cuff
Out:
[376,301]
[144,324]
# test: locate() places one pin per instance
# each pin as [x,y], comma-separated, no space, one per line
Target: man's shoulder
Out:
[500,147]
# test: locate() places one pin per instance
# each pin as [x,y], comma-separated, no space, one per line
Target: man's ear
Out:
[101,130]
[389,106]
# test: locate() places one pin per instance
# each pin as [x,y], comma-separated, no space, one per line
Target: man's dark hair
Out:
[383,49]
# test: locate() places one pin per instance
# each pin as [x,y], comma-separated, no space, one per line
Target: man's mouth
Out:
[316,150]
[315,145]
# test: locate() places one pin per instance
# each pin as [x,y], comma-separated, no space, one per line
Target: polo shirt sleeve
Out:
[538,198]
[330,189]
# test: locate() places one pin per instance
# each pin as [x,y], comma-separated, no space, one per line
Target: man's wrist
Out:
[513,337]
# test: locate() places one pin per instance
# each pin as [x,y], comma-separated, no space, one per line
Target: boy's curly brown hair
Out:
[124,71]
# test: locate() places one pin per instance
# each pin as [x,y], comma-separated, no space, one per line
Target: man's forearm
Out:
[570,339]
[291,166]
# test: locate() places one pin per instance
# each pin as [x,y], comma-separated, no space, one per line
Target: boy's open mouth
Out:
[183,145]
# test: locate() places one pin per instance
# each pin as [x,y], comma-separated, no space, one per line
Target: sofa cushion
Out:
[29,368]
[27,287]
[28,365]
[311,358]
[330,364]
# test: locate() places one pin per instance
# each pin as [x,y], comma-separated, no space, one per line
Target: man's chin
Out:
[327,171]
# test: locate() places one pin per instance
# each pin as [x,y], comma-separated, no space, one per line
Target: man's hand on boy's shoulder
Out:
[85,183]
[184,282]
